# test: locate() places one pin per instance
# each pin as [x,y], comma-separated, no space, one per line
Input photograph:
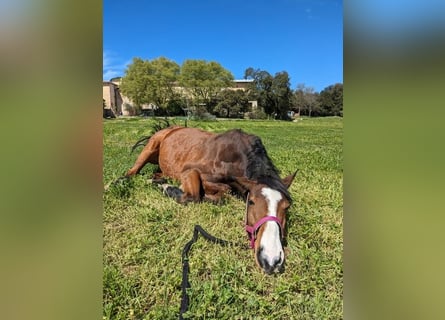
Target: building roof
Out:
[243,80]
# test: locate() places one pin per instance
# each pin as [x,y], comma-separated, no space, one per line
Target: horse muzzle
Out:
[269,252]
[270,263]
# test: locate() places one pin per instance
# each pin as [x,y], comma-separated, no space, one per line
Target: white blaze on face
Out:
[270,241]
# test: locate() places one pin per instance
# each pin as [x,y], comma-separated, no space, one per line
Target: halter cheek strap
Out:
[252,231]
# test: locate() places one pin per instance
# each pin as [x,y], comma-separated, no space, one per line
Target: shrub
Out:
[256,114]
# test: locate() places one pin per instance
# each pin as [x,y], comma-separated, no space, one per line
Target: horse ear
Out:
[289,179]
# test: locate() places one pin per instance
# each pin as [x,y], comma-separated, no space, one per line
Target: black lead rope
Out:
[185,263]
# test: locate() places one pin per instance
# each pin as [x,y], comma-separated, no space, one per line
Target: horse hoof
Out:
[172,191]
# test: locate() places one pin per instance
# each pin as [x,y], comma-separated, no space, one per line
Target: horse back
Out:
[210,153]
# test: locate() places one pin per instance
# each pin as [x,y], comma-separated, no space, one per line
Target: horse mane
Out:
[260,167]
[160,125]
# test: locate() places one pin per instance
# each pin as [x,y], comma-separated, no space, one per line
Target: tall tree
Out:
[305,100]
[312,104]
[231,103]
[152,81]
[281,94]
[250,72]
[261,88]
[298,101]
[135,83]
[331,100]
[164,78]
[203,80]
[272,92]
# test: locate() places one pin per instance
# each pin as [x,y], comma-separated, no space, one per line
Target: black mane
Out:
[260,167]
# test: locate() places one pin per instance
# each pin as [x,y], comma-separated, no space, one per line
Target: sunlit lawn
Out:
[145,232]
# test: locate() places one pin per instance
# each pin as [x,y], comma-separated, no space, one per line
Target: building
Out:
[242,84]
[112,99]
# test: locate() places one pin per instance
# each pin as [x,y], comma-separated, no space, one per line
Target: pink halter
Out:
[252,231]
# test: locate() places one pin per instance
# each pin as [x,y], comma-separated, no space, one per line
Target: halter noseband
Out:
[252,231]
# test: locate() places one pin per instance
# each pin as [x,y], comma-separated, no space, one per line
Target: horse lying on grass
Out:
[210,165]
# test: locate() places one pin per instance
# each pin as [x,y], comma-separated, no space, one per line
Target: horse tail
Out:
[141,142]
[162,124]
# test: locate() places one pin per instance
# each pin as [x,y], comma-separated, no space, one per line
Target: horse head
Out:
[266,208]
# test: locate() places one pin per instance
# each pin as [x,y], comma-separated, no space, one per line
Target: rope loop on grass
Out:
[185,262]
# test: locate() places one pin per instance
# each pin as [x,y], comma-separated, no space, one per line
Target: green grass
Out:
[145,232]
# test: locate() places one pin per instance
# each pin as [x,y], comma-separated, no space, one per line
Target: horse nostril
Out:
[270,265]
[277,262]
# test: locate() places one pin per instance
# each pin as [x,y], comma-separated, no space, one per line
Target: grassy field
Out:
[145,232]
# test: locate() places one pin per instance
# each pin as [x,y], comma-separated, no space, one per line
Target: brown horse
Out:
[209,165]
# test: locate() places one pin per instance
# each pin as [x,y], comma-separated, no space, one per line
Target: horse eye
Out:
[250,202]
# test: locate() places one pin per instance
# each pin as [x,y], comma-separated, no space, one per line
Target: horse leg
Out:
[158,178]
[150,153]
[214,191]
[191,189]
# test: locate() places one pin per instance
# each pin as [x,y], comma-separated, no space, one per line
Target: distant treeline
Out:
[200,87]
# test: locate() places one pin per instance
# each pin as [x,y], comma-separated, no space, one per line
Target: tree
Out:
[312,104]
[305,100]
[163,80]
[298,102]
[272,92]
[261,88]
[331,100]
[232,103]
[250,72]
[135,84]
[203,81]
[151,82]
[281,93]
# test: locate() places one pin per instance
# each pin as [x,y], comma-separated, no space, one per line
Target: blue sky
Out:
[302,37]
